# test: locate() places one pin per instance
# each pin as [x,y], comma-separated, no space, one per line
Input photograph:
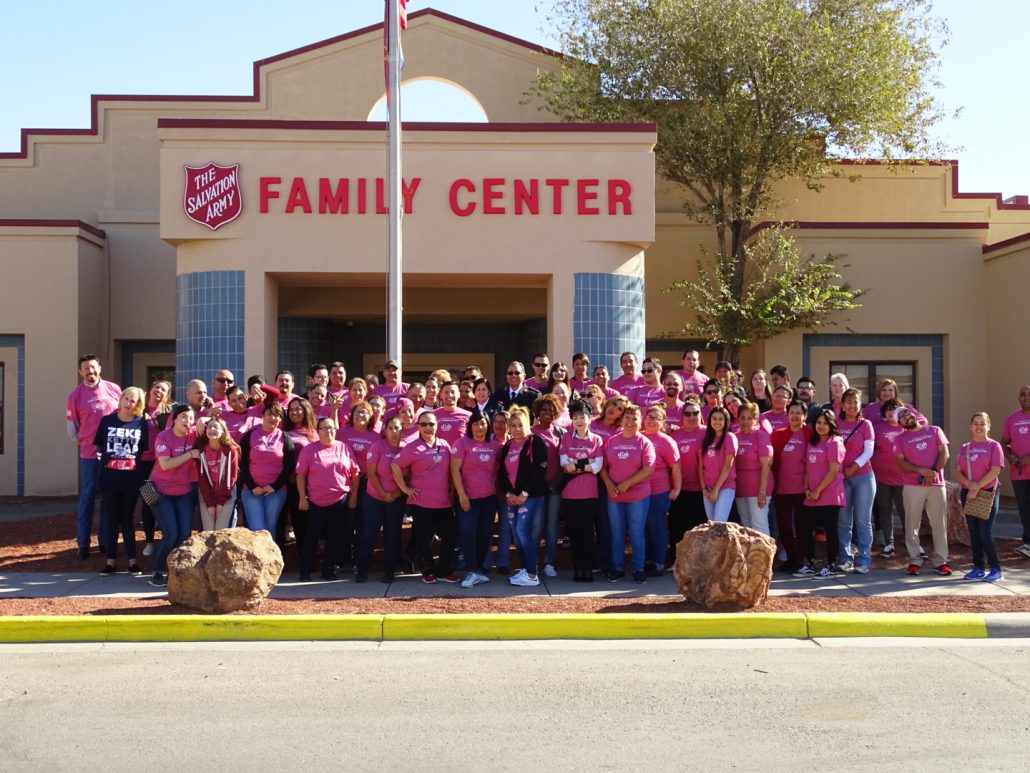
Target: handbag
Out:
[148,491]
[983,504]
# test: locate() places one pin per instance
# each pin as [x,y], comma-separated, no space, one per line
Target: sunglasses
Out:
[427,424]
[691,413]
[647,370]
[539,364]
[514,372]
[221,380]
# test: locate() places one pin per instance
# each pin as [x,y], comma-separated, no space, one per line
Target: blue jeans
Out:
[386,515]
[175,517]
[90,469]
[856,516]
[629,517]
[981,536]
[505,539]
[475,529]
[657,529]
[263,512]
[548,516]
[522,519]
[720,510]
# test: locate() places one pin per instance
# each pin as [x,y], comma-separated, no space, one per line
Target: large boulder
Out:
[224,571]
[724,565]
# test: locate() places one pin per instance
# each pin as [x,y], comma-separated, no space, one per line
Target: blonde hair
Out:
[141,399]
[520,413]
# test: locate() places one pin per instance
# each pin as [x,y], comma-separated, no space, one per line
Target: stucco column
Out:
[209,318]
[560,318]
[608,317]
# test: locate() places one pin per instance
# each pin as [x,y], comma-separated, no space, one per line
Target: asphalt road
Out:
[521,706]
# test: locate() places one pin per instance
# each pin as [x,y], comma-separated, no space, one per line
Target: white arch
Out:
[475,113]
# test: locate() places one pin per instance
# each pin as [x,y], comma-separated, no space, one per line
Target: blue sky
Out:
[55,53]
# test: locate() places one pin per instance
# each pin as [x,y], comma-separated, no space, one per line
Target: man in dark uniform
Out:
[516,393]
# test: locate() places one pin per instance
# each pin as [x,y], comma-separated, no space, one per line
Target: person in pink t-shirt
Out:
[856,516]
[688,510]
[338,380]
[384,505]
[790,444]
[776,417]
[451,421]
[715,469]
[887,390]
[541,364]
[580,378]
[88,403]
[238,416]
[754,470]
[601,381]
[359,438]
[392,388]
[327,482]
[824,488]
[665,486]
[426,461]
[609,422]
[299,424]
[977,469]
[474,467]
[629,461]
[672,386]
[581,455]
[650,391]
[175,477]
[268,458]
[630,377]
[921,453]
[693,380]
[1015,441]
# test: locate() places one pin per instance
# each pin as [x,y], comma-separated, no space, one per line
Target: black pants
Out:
[1021,489]
[686,511]
[429,521]
[824,516]
[121,509]
[332,521]
[581,520]
[790,523]
[350,540]
[145,468]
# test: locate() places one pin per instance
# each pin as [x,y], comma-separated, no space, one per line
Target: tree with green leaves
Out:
[746,93]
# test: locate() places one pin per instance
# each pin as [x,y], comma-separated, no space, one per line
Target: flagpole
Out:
[394,349]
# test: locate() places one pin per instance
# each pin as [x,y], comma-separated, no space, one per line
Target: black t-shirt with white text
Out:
[121,444]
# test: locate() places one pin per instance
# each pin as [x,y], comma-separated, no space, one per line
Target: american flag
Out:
[402,16]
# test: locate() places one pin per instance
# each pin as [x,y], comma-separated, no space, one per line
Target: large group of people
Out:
[566,455]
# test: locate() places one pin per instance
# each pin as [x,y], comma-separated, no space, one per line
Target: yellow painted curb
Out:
[594,626]
[185,628]
[954,625]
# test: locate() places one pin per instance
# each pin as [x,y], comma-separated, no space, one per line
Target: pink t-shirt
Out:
[359,444]
[872,412]
[479,464]
[885,463]
[578,385]
[752,447]
[673,416]
[551,439]
[713,459]
[329,469]
[775,420]
[624,383]
[855,433]
[539,384]
[689,444]
[646,396]
[625,457]
[694,383]
[563,420]
[301,438]
[511,461]
[982,457]
[391,394]
[174,483]
[266,455]
[667,456]
[429,468]
[920,447]
[790,468]
[818,459]
[238,423]
[583,485]
[598,427]
[380,456]
[86,407]
[451,425]
[1017,430]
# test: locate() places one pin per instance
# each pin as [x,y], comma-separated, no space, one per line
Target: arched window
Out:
[433,99]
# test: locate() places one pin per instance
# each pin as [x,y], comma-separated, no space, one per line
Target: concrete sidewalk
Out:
[878,582]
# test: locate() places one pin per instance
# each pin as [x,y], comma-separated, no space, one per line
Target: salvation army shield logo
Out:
[212,195]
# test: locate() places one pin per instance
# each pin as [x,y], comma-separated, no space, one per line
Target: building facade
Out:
[186,234]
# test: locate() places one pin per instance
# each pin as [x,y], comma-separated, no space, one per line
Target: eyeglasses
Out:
[222,380]
[539,364]
[691,413]
[711,391]
[514,372]
[427,424]
[647,370]
[326,428]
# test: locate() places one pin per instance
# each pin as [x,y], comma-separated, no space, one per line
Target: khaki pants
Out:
[224,515]
[934,499]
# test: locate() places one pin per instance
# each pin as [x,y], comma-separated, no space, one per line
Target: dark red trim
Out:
[39,223]
[989,248]
[871,225]
[381,126]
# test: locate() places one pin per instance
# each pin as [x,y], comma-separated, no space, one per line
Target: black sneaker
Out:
[615,576]
[107,570]
[158,580]
[134,570]
[639,577]
[388,577]
[330,576]
[84,553]
[361,577]
[650,570]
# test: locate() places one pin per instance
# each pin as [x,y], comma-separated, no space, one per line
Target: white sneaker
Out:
[861,569]
[550,571]
[825,573]
[480,577]
[469,580]
[524,580]
[804,571]
[519,573]
[148,549]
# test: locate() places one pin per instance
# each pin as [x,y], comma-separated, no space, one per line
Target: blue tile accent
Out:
[209,309]
[934,342]
[608,317]
[18,342]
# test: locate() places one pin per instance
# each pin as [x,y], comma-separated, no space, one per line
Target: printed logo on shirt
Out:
[622,455]
[813,458]
[922,445]
[485,457]
[1023,429]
